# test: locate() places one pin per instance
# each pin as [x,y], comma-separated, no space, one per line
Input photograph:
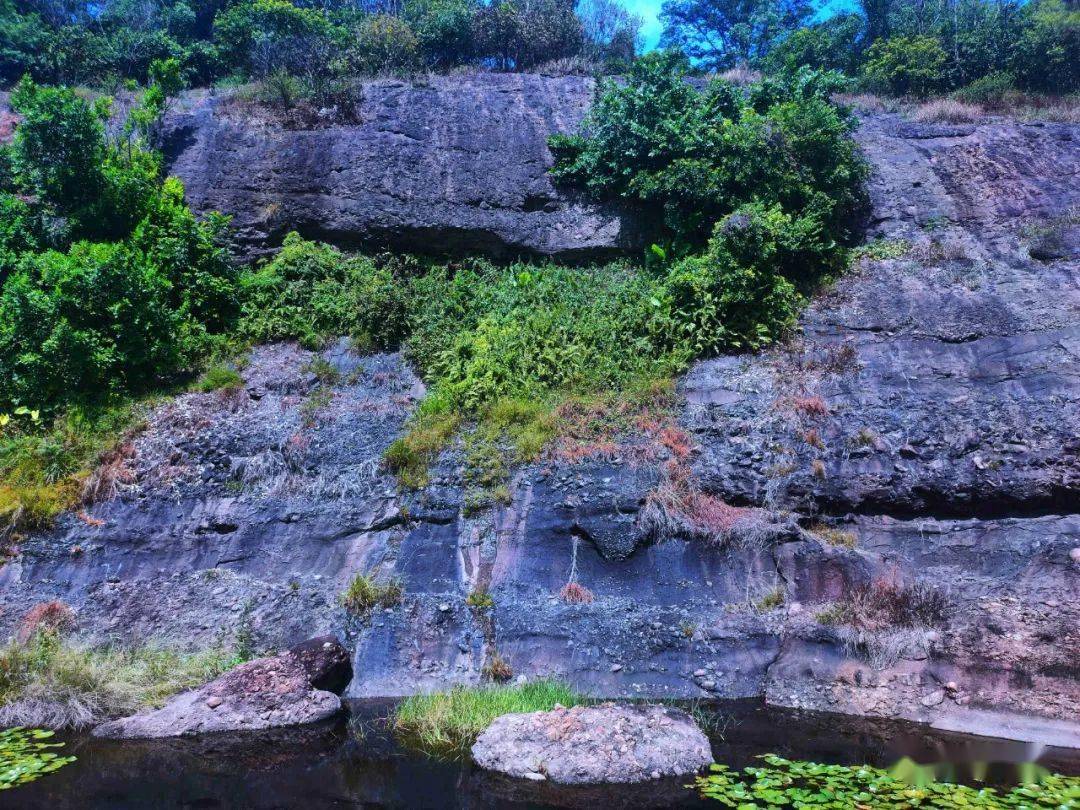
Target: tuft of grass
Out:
[882,249]
[364,593]
[948,111]
[448,723]
[217,378]
[834,536]
[47,470]
[410,456]
[884,605]
[325,371]
[576,594]
[480,599]
[48,682]
[498,668]
[770,601]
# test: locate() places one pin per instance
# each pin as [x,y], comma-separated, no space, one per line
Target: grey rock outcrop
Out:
[601,744]
[264,693]
[450,165]
[920,428]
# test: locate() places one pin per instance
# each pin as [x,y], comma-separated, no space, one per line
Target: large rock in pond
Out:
[609,743]
[265,693]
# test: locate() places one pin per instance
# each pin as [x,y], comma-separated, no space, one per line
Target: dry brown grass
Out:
[677,507]
[46,617]
[885,604]
[740,75]
[498,669]
[947,111]
[576,594]
[115,469]
[811,406]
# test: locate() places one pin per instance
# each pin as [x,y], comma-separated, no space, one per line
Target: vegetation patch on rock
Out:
[447,723]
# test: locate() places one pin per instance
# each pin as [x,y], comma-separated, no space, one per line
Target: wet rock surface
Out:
[449,165]
[594,745]
[264,693]
[921,429]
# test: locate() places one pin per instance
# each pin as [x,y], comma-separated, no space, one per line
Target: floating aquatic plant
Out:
[786,783]
[25,755]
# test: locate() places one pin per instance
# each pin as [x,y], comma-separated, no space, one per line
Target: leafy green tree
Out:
[522,34]
[1046,53]
[906,65]
[257,37]
[385,44]
[833,44]
[445,30]
[59,146]
[723,33]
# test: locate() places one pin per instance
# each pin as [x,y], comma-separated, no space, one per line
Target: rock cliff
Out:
[454,165]
[922,429]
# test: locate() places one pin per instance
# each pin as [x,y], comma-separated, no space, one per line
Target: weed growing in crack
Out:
[364,593]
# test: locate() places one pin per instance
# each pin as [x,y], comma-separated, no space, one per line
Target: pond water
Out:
[358,763]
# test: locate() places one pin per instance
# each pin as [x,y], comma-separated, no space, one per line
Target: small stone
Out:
[444,608]
[699,673]
[213,701]
[709,685]
[616,667]
[951,686]
[1074,555]
[534,776]
[934,698]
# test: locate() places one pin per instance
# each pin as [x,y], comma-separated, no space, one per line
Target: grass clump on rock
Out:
[364,593]
[449,722]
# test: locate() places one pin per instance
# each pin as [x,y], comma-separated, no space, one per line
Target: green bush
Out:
[59,146]
[311,292]
[488,332]
[697,156]
[447,723]
[738,294]
[385,44]
[1046,53]
[990,89]
[906,65]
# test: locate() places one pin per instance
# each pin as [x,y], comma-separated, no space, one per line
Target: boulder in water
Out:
[608,743]
[268,692]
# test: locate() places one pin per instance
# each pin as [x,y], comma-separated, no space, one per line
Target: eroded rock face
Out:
[594,745]
[453,165]
[921,428]
[264,693]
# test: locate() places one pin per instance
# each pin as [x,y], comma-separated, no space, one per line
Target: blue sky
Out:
[649,11]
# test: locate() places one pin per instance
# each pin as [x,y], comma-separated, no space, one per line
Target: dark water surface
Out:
[357,763]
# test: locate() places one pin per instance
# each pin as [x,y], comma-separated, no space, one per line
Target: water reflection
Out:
[359,764]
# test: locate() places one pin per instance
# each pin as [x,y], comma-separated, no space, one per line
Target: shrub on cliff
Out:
[770,170]
[696,155]
[485,332]
[310,292]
